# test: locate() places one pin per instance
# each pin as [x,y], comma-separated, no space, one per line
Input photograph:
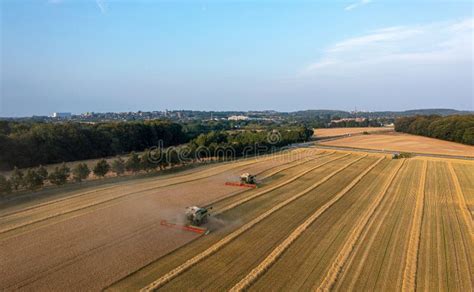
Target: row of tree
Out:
[452,128]
[213,145]
[30,144]
[35,178]
[353,123]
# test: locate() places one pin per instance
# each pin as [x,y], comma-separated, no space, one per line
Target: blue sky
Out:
[79,56]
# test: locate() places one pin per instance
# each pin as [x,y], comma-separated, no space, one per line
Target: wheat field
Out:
[321,220]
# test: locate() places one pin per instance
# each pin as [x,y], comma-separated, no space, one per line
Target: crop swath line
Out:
[246,199]
[409,274]
[398,215]
[97,204]
[322,154]
[227,239]
[465,214]
[225,166]
[282,247]
[57,214]
[370,237]
[353,238]
[460,198]
[270,175]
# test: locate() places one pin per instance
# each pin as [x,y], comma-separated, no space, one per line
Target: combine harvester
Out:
[246,180]
[195,216]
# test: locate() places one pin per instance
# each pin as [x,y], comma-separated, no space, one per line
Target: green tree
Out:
[80,172]
[133,162]
[5,186]
[101,168]
[60,175]
[16,178]
[118,166]
[33,180]
[146,162]
[42,172]
[172,156]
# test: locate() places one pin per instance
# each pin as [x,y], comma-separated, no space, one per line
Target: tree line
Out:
[455,128]
[32,144]
[221,145]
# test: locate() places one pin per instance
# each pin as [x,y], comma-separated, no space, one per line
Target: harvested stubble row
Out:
[378,260]
[217,208]
[167,180]
[463,207]
[260,193]
[292,165]
[446,255]
[233,218]
[310,256]
[409,274]
[356,233]
[273,256]
[221,270]
[87,200]
[465,176]
[214,248]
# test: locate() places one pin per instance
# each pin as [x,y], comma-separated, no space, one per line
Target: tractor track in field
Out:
[283,246]
[117,198]
[213,171]
[233,235]
[280,185]
[409,274]
[345,252]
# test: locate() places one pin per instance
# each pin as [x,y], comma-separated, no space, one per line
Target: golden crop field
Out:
[403,143]
[319,220]
[332,132]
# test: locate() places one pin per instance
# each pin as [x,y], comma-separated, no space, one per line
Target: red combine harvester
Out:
[246,180]
[195,217]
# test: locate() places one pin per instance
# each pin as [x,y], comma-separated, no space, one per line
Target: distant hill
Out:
[425,112]
[384,114]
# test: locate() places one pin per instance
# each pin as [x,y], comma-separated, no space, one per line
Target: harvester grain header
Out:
[246,180]
[195,217]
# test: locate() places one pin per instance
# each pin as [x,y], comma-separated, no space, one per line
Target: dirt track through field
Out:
[188,264]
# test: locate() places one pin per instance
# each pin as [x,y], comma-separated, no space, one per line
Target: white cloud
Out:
[357,4]
[102,4]
[446,42]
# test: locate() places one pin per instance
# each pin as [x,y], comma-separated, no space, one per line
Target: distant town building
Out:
[62,115]
[238,118]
